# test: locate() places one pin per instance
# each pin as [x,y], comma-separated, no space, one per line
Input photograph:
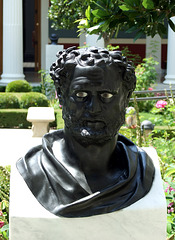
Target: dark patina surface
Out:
[88,168]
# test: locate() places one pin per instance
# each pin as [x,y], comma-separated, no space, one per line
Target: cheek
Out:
[74,109]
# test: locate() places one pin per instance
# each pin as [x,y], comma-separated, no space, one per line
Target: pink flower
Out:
[1,224]
[170,204]
[1,213]
[172,209]
[172,189]
[150,88]
[161,104]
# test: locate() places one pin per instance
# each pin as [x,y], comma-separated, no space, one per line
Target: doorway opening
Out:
[32,39]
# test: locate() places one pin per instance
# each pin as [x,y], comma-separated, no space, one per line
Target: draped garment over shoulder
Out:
[62,194]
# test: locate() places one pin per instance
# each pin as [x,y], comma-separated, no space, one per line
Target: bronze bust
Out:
[88,168]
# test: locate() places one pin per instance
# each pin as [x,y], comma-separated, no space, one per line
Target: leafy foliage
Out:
[4,202]
[18,86]
[4,183]
[142,17]
[167,110]
[146,76]
[64,13]
[135,58]
[8,101]
[33,99]
[47,85]
[14,118]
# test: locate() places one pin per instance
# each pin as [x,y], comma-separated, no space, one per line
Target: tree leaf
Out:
[124,8]
[129,3]
[170,172]
[3,205]
[138,35]
[172,25]
[92,29]
[132,29]
[148,4]
[99,13]
[88,13]
[5,228]
[161,29]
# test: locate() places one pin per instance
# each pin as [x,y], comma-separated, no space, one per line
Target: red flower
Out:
[1,224]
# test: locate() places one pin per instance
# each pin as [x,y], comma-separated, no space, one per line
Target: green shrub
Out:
[18,86]
[4,183]
[16,118]
[10,118]
[146,76]
[36,89]
[8,101]
[33,99]
[47,85]
[4,201]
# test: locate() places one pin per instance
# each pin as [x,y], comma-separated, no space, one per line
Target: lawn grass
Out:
[150,116]
[156,119]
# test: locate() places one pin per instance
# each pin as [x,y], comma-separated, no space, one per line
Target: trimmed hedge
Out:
[11,118]
[23,100]
[33,99]
[8,101]
[16,118]
[18,86]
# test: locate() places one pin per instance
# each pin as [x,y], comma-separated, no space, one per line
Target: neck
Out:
[92,158]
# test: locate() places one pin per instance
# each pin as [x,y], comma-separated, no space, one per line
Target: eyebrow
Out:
[81,88]
[82,81]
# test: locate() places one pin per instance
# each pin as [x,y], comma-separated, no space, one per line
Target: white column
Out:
[92,41]
[153,49]
[12,41]
[170,77]
[44,31]
[82,40]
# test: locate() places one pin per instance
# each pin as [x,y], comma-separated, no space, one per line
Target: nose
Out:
[94,105]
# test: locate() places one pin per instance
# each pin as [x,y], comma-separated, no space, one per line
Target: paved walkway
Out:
[14,143]
[163,86]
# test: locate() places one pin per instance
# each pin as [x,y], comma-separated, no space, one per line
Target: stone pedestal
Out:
[40,118]
[92,41]
[170,77]
[12,41]
[145,219]
[154,44]
[51,51]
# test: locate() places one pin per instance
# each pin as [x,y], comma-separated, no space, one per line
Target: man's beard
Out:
[92,132]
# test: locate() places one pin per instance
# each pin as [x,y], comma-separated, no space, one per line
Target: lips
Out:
[94,124]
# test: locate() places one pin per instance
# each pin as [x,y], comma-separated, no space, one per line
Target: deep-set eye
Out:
[81,94]
[106,95]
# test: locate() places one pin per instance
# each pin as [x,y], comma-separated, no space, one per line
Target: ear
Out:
[128,97]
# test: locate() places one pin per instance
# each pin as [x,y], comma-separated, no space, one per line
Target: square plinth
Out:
[40,118]
[143,220]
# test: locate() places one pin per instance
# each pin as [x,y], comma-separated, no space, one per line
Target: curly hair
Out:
[62,70]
